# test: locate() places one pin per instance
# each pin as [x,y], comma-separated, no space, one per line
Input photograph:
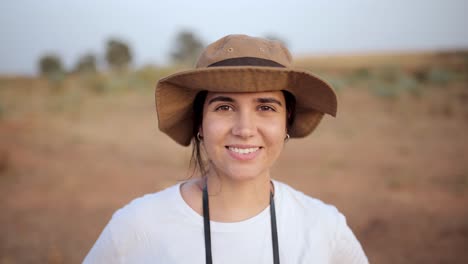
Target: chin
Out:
[244,173]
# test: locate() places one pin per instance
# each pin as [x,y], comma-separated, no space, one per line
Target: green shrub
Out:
[86,64]
[440,76]
[384,90]
[360,75]
[50,65]
[118,54]
[337,83]
[391,81]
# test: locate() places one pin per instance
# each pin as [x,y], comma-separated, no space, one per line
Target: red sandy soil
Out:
[398,170]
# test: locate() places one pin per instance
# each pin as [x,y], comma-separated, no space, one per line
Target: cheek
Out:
[275,129]
[214,132]
[212,127]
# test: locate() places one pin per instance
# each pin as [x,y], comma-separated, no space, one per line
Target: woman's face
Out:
[243,133]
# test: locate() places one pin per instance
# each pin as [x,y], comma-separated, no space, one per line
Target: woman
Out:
[237,108]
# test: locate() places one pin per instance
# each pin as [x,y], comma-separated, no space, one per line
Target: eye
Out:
[266,108]
[224,108]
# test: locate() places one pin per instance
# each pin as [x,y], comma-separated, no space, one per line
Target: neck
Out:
[234,200]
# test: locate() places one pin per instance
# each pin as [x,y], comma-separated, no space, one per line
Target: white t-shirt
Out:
[163,228]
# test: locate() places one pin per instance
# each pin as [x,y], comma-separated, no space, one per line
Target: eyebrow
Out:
[268,100]
[263,100]
[220,99]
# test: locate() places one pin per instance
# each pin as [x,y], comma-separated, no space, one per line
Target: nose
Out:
[244,124]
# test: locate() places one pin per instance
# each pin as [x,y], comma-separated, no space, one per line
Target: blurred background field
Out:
[79,136]
[394,160]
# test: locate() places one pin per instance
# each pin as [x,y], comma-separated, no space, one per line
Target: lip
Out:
[243,157]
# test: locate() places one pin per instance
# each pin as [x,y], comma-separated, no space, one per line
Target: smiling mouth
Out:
[243,150]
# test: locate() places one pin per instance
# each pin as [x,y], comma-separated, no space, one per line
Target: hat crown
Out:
[243,46]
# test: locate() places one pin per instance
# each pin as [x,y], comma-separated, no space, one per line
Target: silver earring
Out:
[286,139]
[199,137]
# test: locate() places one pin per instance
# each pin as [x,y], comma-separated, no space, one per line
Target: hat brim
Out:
[175,95]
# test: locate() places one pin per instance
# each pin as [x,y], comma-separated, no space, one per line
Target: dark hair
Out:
[196,160]
[290,108]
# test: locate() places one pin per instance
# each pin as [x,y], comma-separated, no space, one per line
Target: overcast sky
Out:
[31,28]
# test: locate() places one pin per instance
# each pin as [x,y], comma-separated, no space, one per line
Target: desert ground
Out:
[394,161]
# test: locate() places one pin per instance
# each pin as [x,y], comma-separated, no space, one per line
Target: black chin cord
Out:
[207,229]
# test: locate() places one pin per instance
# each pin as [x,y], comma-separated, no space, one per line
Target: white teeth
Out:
[243,150]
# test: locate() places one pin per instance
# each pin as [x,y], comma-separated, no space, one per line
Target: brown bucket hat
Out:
[240,63]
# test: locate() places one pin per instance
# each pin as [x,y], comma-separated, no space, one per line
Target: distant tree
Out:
[86,64]
[275,37]
[118,54]
[50,65]
[187,48]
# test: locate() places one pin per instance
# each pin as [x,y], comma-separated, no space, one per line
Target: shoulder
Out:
[151,200]
[149,204]
[319,219]
[130,225]
[310,215]
[144,211]
[309,207]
